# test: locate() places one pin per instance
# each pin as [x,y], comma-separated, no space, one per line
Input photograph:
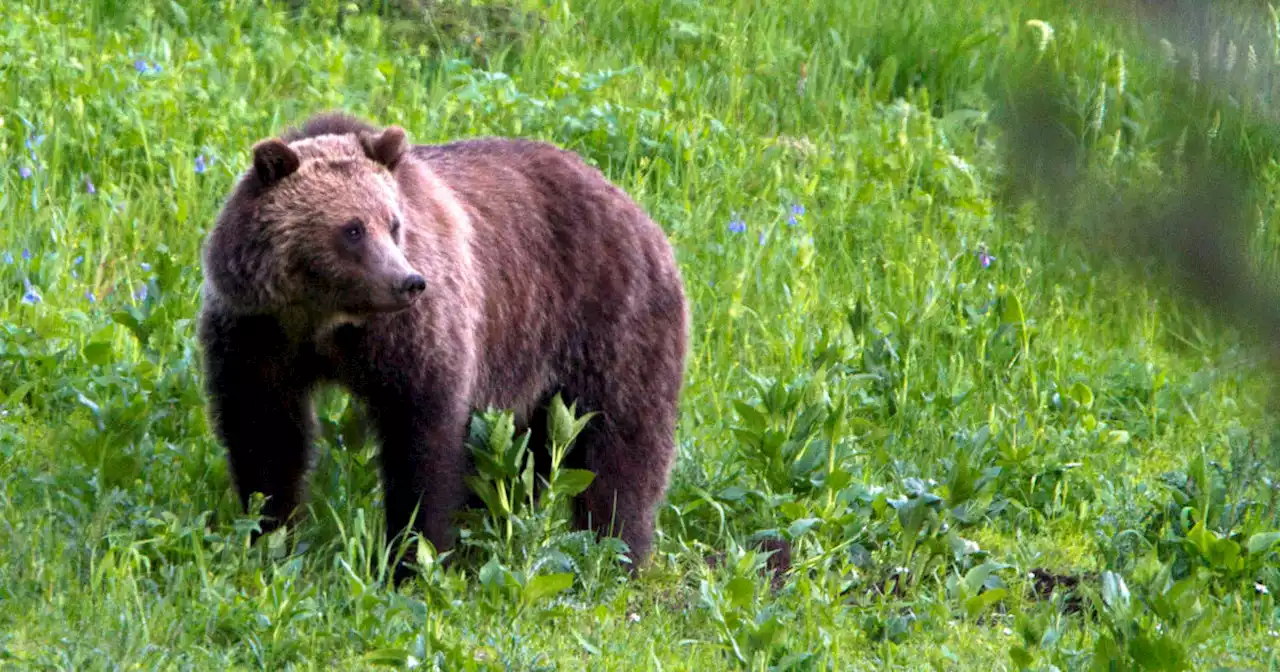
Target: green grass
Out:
[925,430]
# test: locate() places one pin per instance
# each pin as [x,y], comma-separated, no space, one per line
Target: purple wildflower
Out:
[141,294]
[25,172]
[31,296]
[78,260]
[88,294]
[145,266]
[26,254]
[32,143]
[797,211]
[200,164]
[736,225]
[88,185]
[144,66]
[985,259]
[762,237]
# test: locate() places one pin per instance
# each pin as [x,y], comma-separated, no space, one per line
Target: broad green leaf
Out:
[493,574]
[801,526]
[546,585]
[977,604]
[976,577]
[570,482]
[752,419]
[1202,539]
[19,393]
[1020,657]
[98,352]
[732,493]
[1262,542]
[1082,394]
[838,479]
[561,421]
[740,591]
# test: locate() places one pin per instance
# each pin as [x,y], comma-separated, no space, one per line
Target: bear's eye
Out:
[353,231]
[395,225]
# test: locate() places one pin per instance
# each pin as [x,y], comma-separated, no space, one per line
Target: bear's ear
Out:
[273,161]
[386,147]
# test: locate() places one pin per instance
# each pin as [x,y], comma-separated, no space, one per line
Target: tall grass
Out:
[985,448]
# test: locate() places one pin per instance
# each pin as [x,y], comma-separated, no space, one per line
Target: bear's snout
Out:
[412,285]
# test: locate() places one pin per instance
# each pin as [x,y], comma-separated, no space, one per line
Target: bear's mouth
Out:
[393,307]
[393,302]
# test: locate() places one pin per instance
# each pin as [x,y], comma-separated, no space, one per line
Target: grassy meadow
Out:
[989,445]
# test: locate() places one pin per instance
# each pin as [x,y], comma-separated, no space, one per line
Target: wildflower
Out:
[797,210]
[736,225]
[26,254]
[8,258]
[88,294]
[762,237]
[78,260]
[985,258]
[25,172]
[30,296]
[200,164]
[141,294]
[145,266]
[88,185]
[140,65]
[32,143]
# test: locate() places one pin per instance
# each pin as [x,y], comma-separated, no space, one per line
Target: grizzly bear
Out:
[432,281]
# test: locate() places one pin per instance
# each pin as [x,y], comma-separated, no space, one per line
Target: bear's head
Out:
[316,226]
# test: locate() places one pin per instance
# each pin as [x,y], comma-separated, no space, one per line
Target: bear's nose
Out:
[413,284]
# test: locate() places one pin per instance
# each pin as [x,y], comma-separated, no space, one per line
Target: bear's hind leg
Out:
[631,466]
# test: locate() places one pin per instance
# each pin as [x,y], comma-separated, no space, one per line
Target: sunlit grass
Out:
[980,392]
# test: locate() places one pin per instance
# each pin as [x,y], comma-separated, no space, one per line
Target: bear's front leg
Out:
[260,410]
[423,467]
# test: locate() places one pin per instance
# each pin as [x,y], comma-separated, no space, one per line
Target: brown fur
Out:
[540,277]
